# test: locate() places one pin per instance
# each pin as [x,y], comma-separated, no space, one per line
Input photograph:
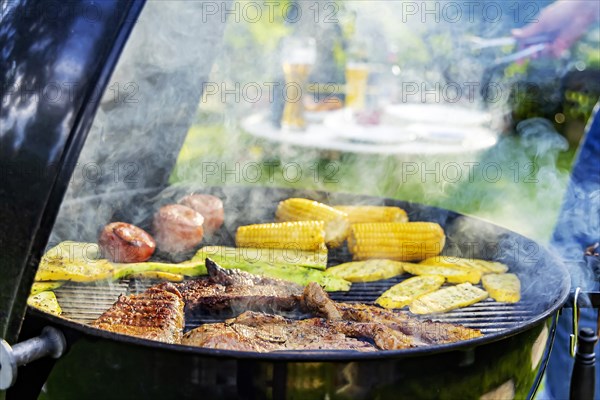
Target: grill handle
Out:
[583,379]
[51,343]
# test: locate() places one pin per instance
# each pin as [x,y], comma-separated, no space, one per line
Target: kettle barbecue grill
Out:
[42,141]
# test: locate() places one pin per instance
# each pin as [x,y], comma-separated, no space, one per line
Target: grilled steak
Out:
[230,277]
[156,314]
[237,291]
[425,331]
[421,332]
[259,332]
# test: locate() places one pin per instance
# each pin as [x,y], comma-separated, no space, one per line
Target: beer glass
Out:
[298,58]
[357,74]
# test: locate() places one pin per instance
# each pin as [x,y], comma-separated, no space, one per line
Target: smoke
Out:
[448,150]
[143,116]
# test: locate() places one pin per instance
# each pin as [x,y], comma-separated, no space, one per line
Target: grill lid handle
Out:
[51,343]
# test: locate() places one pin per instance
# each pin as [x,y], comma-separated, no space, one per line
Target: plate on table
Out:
[343,125]
[438,114]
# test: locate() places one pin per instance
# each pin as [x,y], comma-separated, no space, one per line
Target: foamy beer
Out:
[357,75]
[298,59]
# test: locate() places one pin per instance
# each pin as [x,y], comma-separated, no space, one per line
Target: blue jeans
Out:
[578,226]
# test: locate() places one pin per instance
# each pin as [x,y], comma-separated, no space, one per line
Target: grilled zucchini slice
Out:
[453,274]
[39,287]
[448,298]
[367,271]
[505,288]
[486,267]
[155,269]
[164,276]
[73,261]
[287,272]
[404,293]
[316,259]
[74,270]
[45,301]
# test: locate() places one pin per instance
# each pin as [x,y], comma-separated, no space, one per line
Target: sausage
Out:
[211,208]
[177,228]
[125,243]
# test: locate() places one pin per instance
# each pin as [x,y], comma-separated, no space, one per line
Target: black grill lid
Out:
[53,62]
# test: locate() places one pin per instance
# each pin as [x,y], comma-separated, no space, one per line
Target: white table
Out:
[404,129]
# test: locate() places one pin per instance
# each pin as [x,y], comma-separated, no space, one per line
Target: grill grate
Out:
[84,303]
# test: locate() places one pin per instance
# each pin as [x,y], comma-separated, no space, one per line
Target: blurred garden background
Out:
[543,113]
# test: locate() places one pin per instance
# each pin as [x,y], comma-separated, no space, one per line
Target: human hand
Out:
[565,20]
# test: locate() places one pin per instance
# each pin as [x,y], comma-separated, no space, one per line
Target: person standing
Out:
[578,225]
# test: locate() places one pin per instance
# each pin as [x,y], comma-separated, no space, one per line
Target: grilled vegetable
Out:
[367,271]
[78,262]
[186,268]
[362,214]
[448,298]
[45,301]
[336,222]
[122,242]
[505,288]
[296,274]
[73,261]
[316,259]
[39,287]
[453,274]
[164,276]
[301,235]
[402,241]
[486,267]
[405,292]
[69,250]
[76,270]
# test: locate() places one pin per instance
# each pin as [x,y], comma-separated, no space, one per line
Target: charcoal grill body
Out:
[104,367]
[512,353]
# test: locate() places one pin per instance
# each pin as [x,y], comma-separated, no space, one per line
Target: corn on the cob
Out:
[362,214]
[402,241]
[502,287]
[405,292]
[453,274]
[301,235]
[336,222]
[484,266]
[367,271]
[448,298]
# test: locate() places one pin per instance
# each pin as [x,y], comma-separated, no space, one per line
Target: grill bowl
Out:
[510,356]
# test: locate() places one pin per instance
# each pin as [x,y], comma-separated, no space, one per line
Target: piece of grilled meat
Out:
[234,291]
[421,332]
[155,314]
[252,331]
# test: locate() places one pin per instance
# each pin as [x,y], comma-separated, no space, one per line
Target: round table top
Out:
[403,129]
